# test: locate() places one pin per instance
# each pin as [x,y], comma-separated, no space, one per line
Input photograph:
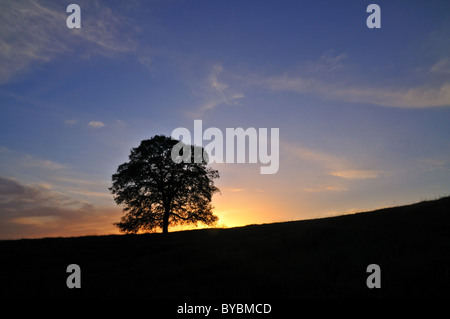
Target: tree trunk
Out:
[166,222]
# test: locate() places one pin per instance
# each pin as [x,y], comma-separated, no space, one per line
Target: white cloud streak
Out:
[356,174]
[34,32]
[216,92]
[70,122]
[414,97]
[96,124]
[331,165]
[329,188]
[329,77]
[442,66]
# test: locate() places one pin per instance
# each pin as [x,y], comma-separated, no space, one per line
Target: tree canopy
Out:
[158,191]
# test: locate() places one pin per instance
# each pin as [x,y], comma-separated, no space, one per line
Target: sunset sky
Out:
[363,114]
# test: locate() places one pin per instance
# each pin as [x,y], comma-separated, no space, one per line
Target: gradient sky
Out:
[363,113]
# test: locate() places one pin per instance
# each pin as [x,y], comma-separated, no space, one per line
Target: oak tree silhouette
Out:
[159,192]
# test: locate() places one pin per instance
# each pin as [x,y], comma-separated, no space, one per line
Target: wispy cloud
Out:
[216,92]
[70,122]
[33,32]
[434,164]
[442,66]
[329,188]
[331,76]
[413,97]
[11,159]
[22,43]
[328,62]
[96,124]
[49,174]
[15,196]
[331,165]
[356,174]
[41,197]
[29,210]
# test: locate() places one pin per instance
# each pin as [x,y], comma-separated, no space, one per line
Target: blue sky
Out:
[363,113]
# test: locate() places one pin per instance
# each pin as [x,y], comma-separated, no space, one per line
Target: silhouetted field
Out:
[322,258]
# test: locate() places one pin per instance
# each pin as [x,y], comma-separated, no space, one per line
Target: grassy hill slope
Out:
[325,258]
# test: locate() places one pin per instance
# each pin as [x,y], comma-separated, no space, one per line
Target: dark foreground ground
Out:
[323,258]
